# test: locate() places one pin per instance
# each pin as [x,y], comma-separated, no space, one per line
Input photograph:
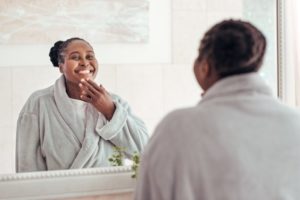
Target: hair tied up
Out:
[230,44]
[233,47]
[54,51]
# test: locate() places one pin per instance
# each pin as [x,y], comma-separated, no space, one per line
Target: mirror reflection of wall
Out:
[153,85]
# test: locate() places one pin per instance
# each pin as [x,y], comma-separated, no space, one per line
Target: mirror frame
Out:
[63,184]
[280,47]
[99,181]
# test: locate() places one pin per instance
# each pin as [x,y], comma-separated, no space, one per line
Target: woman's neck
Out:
[73,90]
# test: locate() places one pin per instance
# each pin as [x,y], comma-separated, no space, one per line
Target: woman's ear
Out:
[203,73]
[204,70]
[200,71]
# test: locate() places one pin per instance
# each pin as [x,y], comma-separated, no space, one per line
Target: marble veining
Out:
[98,21]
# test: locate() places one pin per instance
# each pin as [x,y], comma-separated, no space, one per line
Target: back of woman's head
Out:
[56,52]
[233,47]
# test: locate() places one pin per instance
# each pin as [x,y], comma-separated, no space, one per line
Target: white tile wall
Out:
[7,152]
[180,87]
[7,138]
[188,29]
[141,86]
[151,123]
[107,77]
[6,96]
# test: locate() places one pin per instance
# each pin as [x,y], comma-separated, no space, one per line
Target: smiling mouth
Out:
[85,72]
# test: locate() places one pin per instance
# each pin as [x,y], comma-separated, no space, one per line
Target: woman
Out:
[239,142]
[75,123]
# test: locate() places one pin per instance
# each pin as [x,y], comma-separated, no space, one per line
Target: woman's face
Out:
[79,62]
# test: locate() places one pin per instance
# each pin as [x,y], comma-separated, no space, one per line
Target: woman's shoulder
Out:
[36,98]
[41,94]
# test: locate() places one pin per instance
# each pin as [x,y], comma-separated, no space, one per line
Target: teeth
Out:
[84,71]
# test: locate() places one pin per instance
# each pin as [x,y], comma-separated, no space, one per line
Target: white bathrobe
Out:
[239,143]
[49,136]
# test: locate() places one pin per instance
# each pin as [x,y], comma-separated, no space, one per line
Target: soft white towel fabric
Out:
[80,121]
[239,143]
[49,136]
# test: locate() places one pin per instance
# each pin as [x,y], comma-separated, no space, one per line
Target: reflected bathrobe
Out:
[238,143]
[48,132]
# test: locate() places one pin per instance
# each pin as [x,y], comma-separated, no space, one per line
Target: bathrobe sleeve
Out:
[124,129]
[28,146]
[158,165]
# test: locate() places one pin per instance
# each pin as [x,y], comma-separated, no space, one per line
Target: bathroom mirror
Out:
[154,75]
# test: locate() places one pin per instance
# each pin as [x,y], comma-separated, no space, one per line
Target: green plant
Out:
[118,156]
[135,165]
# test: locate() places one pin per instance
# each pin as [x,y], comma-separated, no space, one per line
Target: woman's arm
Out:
[28,146]
[125,129]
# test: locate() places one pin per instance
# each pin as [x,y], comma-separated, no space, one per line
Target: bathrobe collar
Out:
[66,107]
[250,82]
[64,103]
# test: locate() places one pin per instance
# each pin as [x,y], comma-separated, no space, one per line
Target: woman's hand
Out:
[98,97]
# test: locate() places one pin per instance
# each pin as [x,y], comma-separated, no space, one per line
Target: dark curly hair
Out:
[233,47]
[56,52]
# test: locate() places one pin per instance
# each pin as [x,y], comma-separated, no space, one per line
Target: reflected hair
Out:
[56,53]
[233,47]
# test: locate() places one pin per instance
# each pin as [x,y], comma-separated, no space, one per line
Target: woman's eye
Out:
[75,57]
[90,57]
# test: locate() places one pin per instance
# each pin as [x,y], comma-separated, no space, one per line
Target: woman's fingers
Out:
[85,84]
[93,87]
[86,98]
[102,89]
[91,82]
[98,97]
[87,92]
[99,88]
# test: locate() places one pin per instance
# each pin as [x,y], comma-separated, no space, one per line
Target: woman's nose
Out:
[84,62]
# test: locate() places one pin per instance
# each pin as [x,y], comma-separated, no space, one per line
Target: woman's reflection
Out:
[75,123]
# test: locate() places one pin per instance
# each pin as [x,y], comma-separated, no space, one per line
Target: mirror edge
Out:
[67,183]
[280,48]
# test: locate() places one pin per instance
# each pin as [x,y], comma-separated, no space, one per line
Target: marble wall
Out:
[99,21]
